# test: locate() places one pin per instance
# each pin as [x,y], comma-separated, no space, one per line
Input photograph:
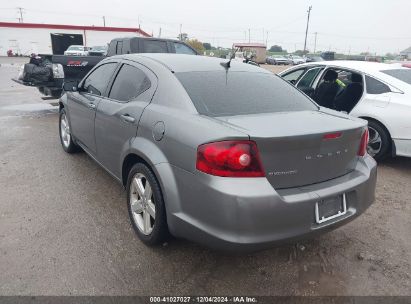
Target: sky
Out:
[346,26]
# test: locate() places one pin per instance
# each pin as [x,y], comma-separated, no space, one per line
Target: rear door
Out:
[119,112]
[82,104]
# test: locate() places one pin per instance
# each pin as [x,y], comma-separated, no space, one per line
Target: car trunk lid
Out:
[302,148]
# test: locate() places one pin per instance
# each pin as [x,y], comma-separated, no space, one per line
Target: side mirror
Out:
[70,86]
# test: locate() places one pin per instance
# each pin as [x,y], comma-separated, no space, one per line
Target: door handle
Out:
[127,118]
[91,105]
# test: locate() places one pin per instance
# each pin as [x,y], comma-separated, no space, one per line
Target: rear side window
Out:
[119,47]
[154,46]
[183,49]
[219,93]
[375,86]
[96,83]
[400,74]
[129,83]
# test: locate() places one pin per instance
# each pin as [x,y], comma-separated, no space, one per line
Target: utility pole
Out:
[306,30]
[159,33]
[266,40]
[21,14]
[249,35]
[104,21]
[315,42]
[181,37]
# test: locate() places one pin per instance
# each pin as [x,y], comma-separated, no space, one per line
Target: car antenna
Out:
[227,64]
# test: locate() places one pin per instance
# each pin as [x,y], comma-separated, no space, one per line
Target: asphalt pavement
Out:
[64,229]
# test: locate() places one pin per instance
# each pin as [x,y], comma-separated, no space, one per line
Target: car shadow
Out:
[398,163]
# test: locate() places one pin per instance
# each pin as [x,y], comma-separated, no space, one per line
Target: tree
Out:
[276,48]
[195,44]
[207,46]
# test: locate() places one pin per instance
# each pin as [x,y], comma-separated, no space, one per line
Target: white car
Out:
[295,60]
[77,50]
[377,92]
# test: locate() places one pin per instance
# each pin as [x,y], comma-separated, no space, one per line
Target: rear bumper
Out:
[248,214]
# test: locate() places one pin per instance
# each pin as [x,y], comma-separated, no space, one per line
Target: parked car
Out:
[77,50]
[72,68]
[199,160]
[295,60]
[277,60]
[381,94]
[314,59]
[98,51]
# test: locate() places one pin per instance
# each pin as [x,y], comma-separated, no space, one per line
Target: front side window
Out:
[293,76]
[129,83]
[307,80]
[375,86]
[183,49]
[219,93]
[154,46]
[96,83]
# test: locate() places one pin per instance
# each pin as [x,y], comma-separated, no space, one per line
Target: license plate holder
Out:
[330,208]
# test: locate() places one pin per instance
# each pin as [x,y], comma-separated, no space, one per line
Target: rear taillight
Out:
[230,159]
[364,143]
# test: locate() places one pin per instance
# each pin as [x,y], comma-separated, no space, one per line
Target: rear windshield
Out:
[401,74]
[219,93]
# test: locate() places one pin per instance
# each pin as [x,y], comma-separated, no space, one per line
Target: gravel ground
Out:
[64,229]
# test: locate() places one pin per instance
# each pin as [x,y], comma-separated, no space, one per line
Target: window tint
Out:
[307,80]
[129,83]
[219,93]
[375,87]
[97,81]
[154,46]
[293,76]
[183,49]
[401,74]
[119,47]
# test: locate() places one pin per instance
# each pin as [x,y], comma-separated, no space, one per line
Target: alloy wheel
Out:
[374,143]
[65,130]
[142,203]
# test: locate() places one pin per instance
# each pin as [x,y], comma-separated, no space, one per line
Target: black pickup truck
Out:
[71,68]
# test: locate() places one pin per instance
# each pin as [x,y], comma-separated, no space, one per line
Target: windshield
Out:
[218,93]
[75,48]
[401,74]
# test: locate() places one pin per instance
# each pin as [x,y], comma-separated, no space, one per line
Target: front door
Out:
[118,114]
[83,104]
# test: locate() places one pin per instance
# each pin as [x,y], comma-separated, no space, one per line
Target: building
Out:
[258,49]
[28,38]
[406,54]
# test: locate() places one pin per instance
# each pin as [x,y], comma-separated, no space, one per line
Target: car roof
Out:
[179,63]
[364,66]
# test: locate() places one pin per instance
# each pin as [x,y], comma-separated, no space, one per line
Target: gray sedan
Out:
[228,155]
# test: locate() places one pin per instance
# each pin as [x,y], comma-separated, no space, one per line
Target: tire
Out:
[379,145]
[66,139]
[153,231]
